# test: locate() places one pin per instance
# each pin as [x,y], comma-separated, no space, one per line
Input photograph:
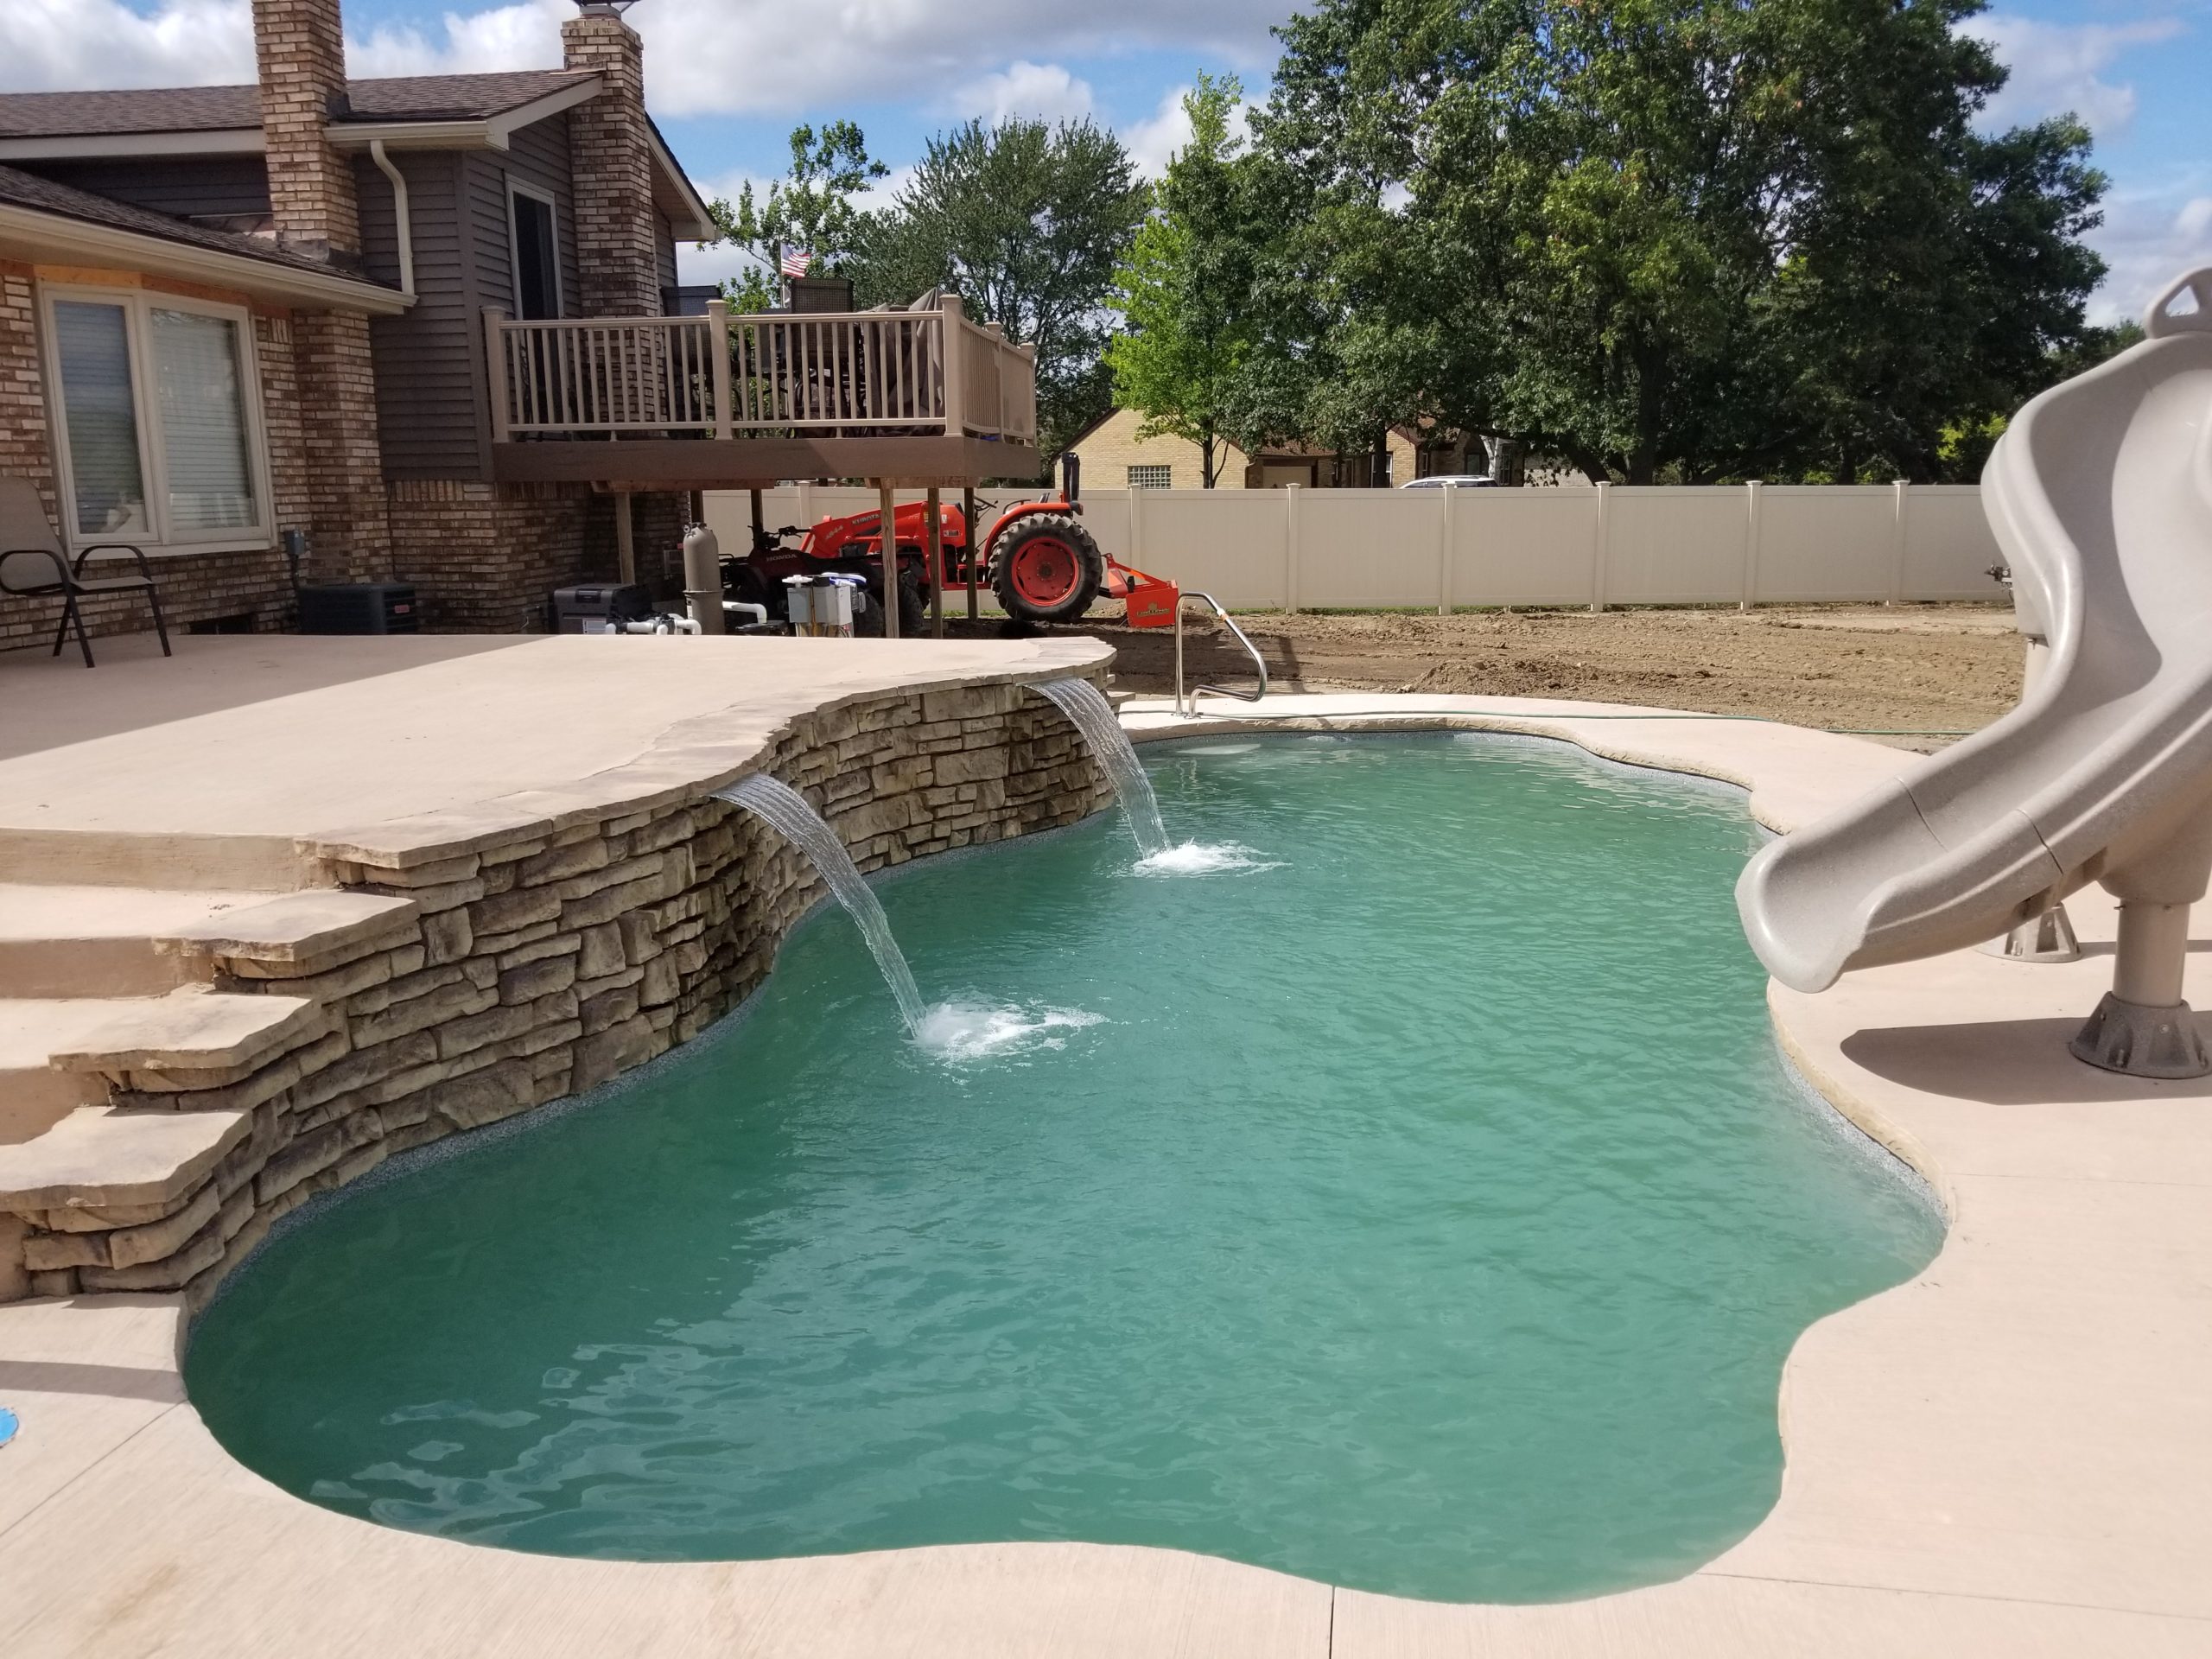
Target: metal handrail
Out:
[1189,706]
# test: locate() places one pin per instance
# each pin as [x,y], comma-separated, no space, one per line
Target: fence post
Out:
[1137,559]
[1290,549]
[1598,539]
[718,354]
[1903,493]
[495,373]
[1444,549]
[806,504]
[954,349]
[1751,532]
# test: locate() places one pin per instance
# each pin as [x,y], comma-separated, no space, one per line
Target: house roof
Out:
[289,273]
[417,112]
[220,109]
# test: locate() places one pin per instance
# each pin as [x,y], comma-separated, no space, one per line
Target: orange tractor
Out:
[1037,558]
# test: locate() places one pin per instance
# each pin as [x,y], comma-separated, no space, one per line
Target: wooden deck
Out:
[920,397]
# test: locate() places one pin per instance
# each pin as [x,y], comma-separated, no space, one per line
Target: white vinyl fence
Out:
[1612,545]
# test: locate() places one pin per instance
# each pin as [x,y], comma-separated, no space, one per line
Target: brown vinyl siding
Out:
[431,398]
[428,379]
[186,188]
[664,251]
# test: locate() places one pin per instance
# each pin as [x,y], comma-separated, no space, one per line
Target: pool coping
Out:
[2007,1454]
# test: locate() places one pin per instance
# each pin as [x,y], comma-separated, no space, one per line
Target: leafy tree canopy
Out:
[1185,294]
[1689,239]
[1025,221]
[809,211]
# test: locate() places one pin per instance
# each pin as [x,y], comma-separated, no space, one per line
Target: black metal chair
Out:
[26,533]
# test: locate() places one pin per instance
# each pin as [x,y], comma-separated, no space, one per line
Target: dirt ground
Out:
[1933,669]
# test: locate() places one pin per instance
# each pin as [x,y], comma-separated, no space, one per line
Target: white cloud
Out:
[2149,240]
[61,45]
[1040,90]
[523,35]
[2057,67]
[769,56]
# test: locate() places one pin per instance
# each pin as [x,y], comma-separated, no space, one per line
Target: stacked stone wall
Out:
[539,966]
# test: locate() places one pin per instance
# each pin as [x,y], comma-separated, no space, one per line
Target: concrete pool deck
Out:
[2011,1454]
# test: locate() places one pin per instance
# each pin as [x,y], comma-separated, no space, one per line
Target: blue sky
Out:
[728,78]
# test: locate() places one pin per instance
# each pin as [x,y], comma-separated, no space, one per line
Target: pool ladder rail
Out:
[1188,706]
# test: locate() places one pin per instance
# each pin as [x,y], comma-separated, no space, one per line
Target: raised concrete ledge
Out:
[419,750]
[2007,1456]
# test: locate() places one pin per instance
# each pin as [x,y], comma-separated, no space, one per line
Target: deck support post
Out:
[626,539]
[933,541]
[887,543]
[975,545]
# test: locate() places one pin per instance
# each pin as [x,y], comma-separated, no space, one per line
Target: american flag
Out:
[794,264]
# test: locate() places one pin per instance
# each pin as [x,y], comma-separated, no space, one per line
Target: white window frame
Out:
[535,193]
[1151,466]
[158,537]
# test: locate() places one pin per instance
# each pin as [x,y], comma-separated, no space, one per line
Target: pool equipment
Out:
[2100,495]
[822,607]
[1086,705]
[784,809]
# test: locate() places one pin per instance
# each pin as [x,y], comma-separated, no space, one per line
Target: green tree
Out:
[1686,239]
[1185,294]
[809,211]
[1025,221]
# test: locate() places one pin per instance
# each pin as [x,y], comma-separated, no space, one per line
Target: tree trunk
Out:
[1643,462]
[1206,463]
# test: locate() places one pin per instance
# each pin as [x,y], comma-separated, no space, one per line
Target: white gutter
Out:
[404,226]
[52,238]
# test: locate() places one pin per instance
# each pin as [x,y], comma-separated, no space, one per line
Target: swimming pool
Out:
[1416,1202]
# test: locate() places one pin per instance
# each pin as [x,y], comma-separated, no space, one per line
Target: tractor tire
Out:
[1047,568]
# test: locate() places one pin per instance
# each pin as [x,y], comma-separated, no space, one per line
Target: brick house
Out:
[228,311]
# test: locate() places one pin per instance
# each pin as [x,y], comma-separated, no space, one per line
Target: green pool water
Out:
[1420,1206]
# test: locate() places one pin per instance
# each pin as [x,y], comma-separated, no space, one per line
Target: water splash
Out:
[1086,705]
[784,809]
[976,1031]
[1204,858]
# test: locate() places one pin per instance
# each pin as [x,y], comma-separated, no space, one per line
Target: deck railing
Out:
[840,374]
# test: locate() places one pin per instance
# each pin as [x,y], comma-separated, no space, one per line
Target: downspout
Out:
[386,166]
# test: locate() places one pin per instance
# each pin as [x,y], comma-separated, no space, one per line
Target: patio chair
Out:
[27,537]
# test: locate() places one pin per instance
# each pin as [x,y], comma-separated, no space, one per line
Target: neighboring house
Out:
[228,311]
[1114,457]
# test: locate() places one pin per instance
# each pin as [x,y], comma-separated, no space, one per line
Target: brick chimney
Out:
[612,161]
[300,50]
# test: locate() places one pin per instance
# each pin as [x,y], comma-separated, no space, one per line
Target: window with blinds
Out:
[208,475]
[99,417]
[155,418]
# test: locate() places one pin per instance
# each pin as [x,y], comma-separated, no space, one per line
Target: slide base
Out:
[2045,938]
[2142,1042]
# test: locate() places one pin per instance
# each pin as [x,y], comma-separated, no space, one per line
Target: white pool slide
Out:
[2100,495]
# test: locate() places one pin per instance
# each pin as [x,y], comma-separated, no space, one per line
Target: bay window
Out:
[157,425]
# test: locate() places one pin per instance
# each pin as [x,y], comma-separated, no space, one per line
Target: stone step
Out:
[78,941]
[56,1053]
